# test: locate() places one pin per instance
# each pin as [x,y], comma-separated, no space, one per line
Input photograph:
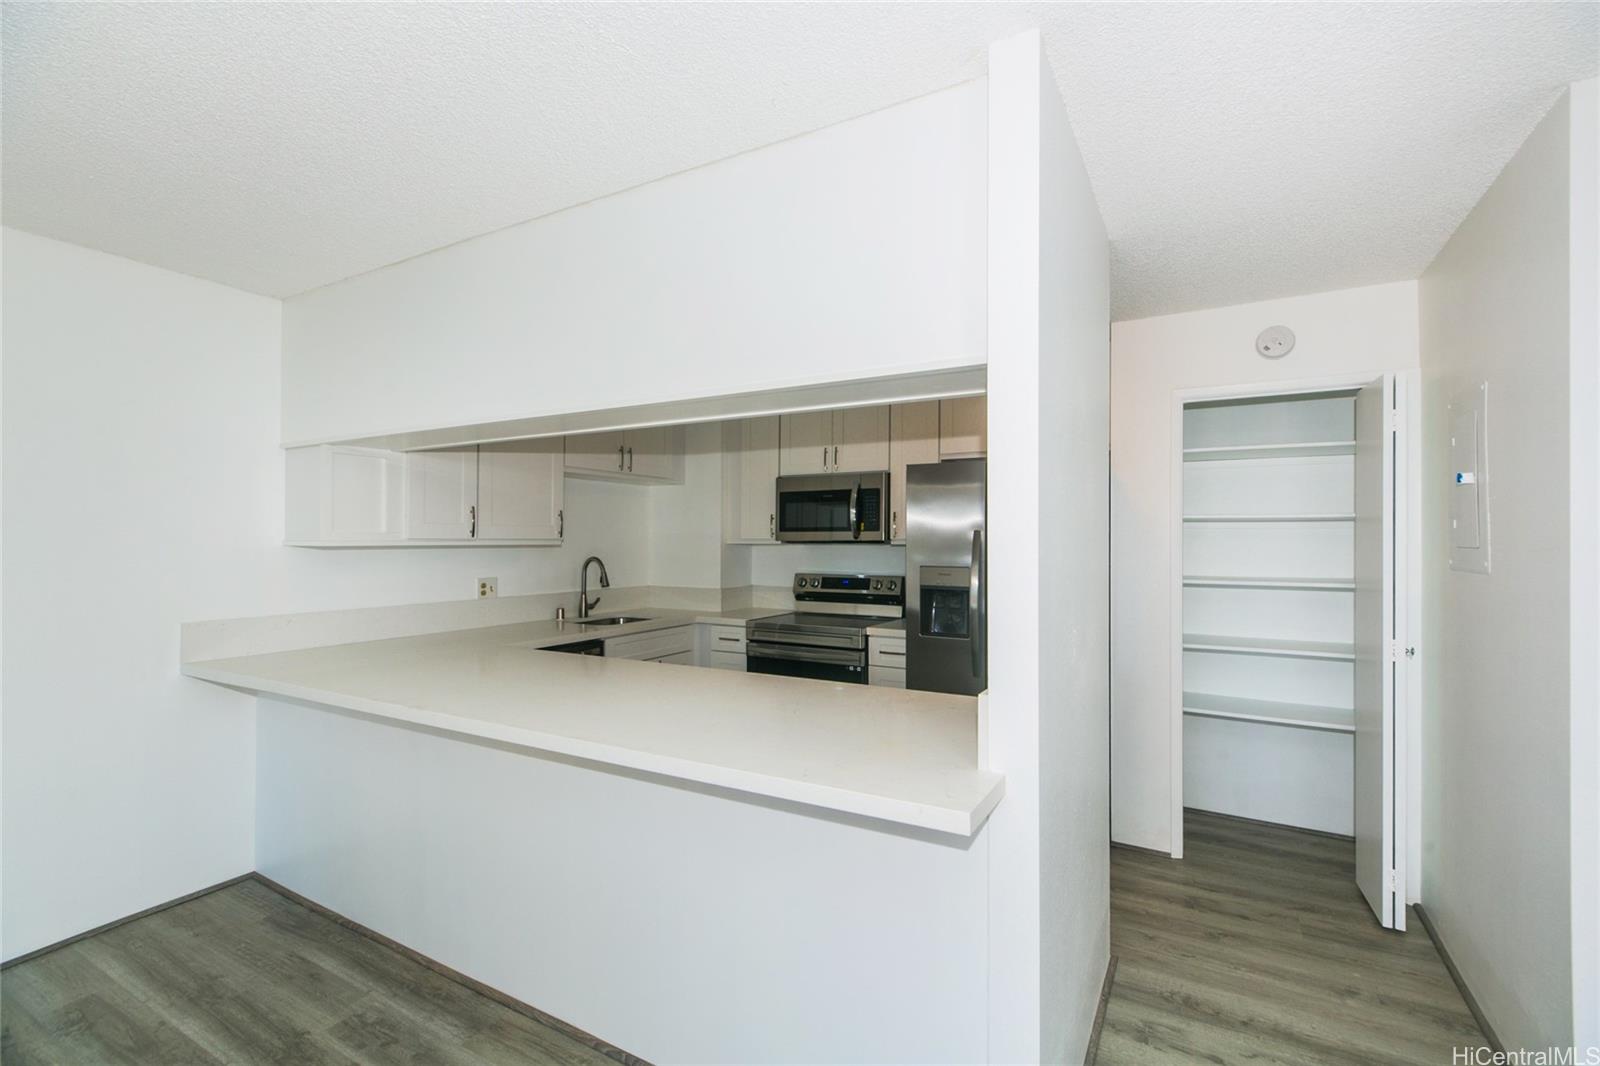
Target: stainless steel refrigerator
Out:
[946,612]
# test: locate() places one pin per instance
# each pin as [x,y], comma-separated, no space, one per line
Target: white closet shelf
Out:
[1271,712]
[1302,450]
[1303,584]
[1269,518]
[1286,649]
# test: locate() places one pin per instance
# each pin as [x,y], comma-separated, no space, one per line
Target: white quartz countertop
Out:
[891,754]
[894,627]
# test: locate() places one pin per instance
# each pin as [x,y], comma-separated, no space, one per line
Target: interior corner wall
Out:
[853,251]
[1495,307]
[1048,310]
[1584,285]
[143,488]
[1371,329]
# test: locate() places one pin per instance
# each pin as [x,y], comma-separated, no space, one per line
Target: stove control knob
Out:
[816,582]
[893,584]
[877,583]
[799,582]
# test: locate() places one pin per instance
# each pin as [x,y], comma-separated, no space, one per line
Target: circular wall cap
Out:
[1274,342]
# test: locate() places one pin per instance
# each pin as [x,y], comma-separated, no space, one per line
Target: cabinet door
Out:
[913,438]
[441,494]
[752,480]
[655,453]
[807,442]
[964,427]
[597,453]
[519,490]
[860,439]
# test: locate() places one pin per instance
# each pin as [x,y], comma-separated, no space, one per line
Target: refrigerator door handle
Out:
[975,603]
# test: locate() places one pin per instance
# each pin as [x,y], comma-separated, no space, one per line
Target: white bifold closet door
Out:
[1377,863]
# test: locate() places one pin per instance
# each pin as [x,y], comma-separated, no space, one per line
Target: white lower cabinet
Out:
[721,647]
[886,661]
[674,645]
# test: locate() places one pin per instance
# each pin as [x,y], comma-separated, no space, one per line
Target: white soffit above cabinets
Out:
[1238,152]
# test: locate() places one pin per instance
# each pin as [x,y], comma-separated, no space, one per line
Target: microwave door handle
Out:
[855,527]
[975,609]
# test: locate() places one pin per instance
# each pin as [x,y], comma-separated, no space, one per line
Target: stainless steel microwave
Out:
[834,507]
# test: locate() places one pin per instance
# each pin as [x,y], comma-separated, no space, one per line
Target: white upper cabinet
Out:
[807,442]
[520,491]
[861,439]
[963,427]
[442,494]
[749,476]
[342,495]
[509,493]
[597,453]
[651,455]
[913,438]
[821,442]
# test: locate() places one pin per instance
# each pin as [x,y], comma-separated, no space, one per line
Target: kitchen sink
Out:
[614,620]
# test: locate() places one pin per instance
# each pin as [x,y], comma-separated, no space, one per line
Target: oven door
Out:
[833,507]
[848,665]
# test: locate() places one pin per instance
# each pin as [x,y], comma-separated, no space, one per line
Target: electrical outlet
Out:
[487,587]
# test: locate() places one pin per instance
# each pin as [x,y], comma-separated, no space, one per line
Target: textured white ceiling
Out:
[1239,151]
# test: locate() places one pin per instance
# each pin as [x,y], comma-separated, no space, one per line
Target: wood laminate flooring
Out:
[1258,948]
[246,975]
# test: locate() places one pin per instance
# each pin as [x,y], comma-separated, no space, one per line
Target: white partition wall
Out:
[1048,697]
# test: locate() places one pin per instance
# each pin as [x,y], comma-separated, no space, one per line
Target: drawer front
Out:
[886,652]
[886,677]
[725,638]
[653,645]
[726,660]
[678,658]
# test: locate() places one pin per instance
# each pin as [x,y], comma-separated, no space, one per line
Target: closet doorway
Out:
[1292,593]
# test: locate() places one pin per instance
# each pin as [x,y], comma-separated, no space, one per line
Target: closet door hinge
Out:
[1393,881]
[1394,418]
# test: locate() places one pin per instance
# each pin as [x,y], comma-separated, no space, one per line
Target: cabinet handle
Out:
[472,521]
[630,460]
[730,640]
[901,654]
[772,526]
[894,524]
[620,451]
[836,457]
[824,457]
[561,524]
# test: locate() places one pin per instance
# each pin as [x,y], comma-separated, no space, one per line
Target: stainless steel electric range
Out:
[818,644]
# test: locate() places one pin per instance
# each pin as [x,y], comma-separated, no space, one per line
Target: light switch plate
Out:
[1469,480]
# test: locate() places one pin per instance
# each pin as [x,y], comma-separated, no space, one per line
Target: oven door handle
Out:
[833,656]
[855,527]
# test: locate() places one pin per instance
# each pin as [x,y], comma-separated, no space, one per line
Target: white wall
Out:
[1584,286]
[1049,893]
[1371,329]
[854,251]
[144,487]
[1497,880]
[678,923]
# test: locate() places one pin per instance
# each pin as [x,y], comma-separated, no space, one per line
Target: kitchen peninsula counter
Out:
[893,755]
